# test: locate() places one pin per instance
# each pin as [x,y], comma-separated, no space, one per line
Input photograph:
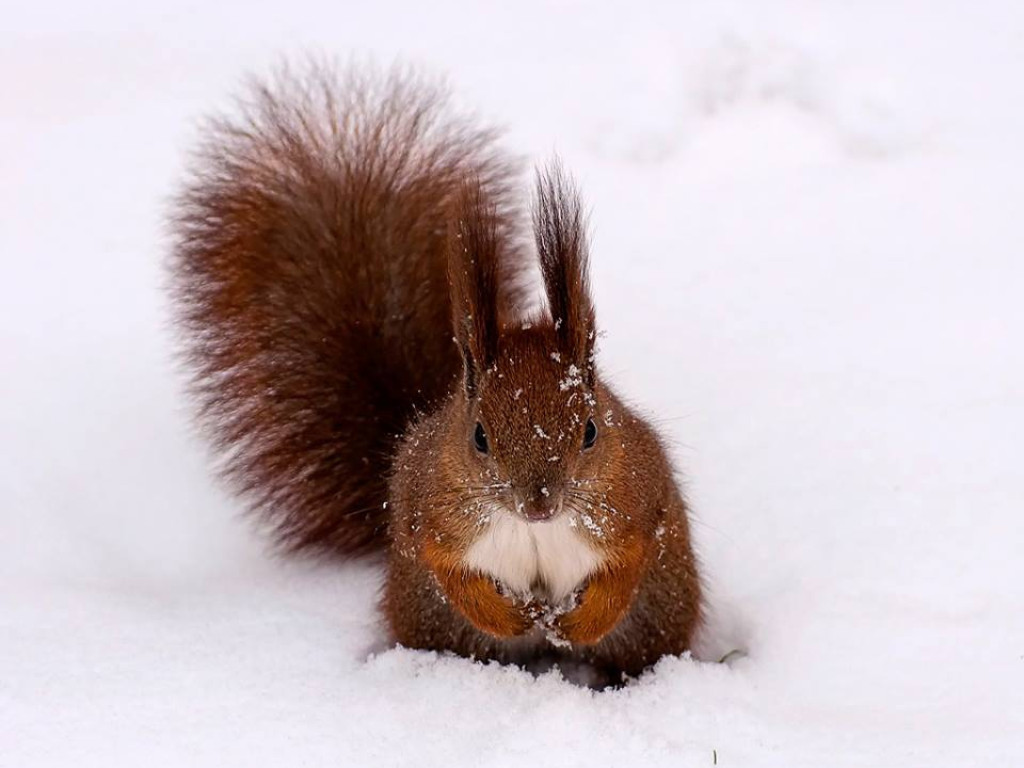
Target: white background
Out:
[807,236]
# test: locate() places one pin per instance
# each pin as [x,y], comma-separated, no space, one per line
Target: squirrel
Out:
[334,235]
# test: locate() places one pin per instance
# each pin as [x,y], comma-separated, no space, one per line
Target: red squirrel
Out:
[350,274]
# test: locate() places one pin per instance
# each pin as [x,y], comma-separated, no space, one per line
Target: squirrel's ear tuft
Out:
[473,266]
[560,229]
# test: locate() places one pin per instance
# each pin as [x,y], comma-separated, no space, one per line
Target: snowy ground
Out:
[821,200]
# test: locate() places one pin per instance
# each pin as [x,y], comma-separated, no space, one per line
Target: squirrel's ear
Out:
[560,230]
[473,264]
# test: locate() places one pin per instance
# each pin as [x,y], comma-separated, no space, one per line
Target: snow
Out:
[807,241]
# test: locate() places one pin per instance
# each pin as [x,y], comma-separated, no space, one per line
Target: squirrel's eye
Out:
[480,438]
[590,434]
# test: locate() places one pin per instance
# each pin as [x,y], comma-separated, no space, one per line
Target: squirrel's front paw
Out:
[581,628]
[593,618]
[484,603]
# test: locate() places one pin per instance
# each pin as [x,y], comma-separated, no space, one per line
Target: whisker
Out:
[452,498]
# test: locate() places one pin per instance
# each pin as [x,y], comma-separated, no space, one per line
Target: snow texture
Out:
[807,244]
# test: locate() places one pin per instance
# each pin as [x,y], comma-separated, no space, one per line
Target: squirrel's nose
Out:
[539,505]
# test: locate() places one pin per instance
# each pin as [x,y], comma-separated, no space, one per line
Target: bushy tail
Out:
[309,277]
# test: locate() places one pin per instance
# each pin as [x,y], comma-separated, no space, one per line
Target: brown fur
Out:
[311,280]
[331,242]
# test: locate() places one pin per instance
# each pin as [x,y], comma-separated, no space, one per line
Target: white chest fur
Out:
[550,556]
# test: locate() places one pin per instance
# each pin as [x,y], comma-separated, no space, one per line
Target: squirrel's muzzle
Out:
[539,505]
